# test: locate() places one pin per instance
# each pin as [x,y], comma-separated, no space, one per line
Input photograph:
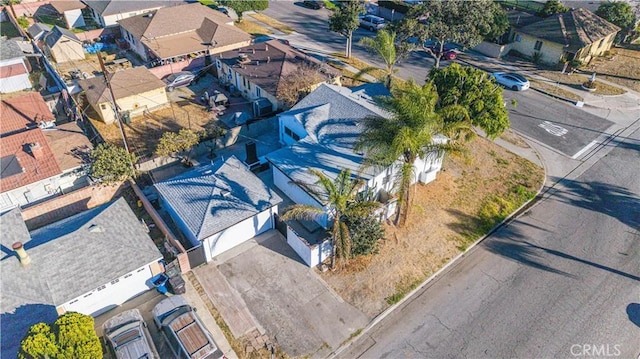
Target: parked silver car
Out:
[179,79]
[127,336]
[372,22]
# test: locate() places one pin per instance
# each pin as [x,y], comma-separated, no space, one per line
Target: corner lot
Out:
[284,297]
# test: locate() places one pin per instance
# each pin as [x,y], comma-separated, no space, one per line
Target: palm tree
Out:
[384,46]
[341,196]
[406,135]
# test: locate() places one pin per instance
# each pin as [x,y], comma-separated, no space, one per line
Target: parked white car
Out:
[511,80]
[372,22]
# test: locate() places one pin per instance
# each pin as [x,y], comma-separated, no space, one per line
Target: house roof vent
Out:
[96,228]
[225,193]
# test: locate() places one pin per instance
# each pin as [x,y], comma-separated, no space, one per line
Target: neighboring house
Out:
[106,13]
[136,90]
[63,45]
[39,160]
[219,206]
[173,34]
[258,70]
[89,263]
[38,31]
[320,133]
[14,68]
[71,10]
[577,34]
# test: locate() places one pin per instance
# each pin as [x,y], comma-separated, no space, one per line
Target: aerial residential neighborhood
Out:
[319,179]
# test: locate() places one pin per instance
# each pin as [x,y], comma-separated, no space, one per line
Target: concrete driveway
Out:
[266,282]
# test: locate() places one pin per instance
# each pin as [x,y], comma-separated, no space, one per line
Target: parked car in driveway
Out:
[313,4]
[372,22]
[127,336]
[514,81]
[179,79]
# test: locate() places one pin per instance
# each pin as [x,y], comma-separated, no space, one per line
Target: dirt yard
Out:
[622,68]
[447,215]
[575,80]
[144,131]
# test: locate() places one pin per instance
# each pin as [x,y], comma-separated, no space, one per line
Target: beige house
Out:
[187,31]
[577,34]
[136,90]
[260,70]
[63,45]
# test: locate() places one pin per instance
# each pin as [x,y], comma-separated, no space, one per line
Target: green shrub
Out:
[23,22]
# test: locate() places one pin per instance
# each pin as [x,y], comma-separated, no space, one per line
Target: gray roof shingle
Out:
[212,198]
[38,30]
[112,7]
[10,49]
[86,250]
[331,116]
[58,33]
[125,83]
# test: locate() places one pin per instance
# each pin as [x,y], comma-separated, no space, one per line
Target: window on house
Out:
[538,46]
[101,287]
[244,81]
[258,91]
[291,134]
[115,281]
[601,43]
[103,106]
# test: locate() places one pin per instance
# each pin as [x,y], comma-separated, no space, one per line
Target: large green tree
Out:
[341,198]
[172,142]
[111,164]
[470,95]
[383,45]
[619,13]
[344,20]
[552,7]
[403,137]
[241,6]
[72,336]
[463,22]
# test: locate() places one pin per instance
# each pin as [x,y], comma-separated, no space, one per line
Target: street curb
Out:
[554,96]
[521,210]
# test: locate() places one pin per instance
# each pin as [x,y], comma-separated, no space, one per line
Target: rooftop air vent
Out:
[95,228]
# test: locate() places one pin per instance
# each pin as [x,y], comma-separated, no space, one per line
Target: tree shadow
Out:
[15,325]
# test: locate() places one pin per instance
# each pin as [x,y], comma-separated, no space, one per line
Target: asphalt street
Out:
[557,282]
[559,125]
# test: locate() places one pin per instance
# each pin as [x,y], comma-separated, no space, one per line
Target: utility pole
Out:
[113,102]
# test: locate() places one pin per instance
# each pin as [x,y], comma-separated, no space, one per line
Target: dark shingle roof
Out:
[215,197]
[58,33]
[38,29]
[574,29]
[270,61]
[125,83]
[10,49]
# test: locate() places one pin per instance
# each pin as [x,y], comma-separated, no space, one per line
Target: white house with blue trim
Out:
[219,206]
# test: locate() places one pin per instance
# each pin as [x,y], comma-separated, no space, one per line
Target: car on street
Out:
[179,79]
[511,80]
[127,336]
[372,22]
[313,4]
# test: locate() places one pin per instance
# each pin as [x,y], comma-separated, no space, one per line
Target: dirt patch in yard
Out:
[552,88]
[575,80]
[621,67]
[272,22]
[474,191]
[144,131]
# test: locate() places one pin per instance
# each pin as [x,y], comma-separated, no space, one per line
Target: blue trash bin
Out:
[160,282]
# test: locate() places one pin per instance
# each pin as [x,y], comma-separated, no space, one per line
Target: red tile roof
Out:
[34,169]
[12,70]
[21,112]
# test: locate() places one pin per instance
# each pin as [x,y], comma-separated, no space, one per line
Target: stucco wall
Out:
[112,20]
[67,50]
[295,193]
[525,44]
[137,104]
[74,18]
[598,48]
[492,50]
[239,233]
[15,83]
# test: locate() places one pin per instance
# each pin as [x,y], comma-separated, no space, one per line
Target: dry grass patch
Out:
[473,193]
[622,67]
[252,28]
[514,139]
[144,131]
[361,65]
[554,89]
[272,22]
[575,80]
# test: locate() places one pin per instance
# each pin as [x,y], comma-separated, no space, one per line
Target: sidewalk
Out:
[627,101]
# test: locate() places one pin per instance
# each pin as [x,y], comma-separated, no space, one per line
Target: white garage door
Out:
[239,233]
[112,294]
